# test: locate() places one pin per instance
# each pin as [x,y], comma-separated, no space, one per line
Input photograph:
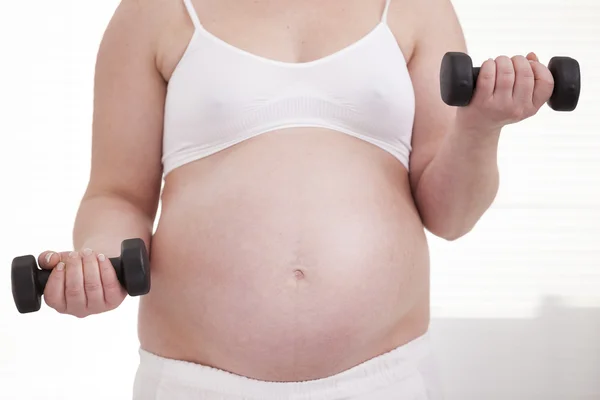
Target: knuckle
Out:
[542,94]
[77,310]
[112,285]
[114,302]
[526,72]
[505,69]
[74,291]
[96,308]
[507,73]
[505,81]
[543,74]
[548,83]
[89,256]
[55,303]
[517,113]
[523,89]
[51,286]
[106,268]
[50,301]
[518,58]
[80,314]
[488,64]
[488,75]
[92,286]
[529,112]
[73,259]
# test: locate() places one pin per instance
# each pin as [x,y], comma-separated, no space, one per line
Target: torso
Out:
[294,255]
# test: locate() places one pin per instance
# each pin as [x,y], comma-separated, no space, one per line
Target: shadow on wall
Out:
[553,356]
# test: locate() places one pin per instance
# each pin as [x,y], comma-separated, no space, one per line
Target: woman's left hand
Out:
[508,90]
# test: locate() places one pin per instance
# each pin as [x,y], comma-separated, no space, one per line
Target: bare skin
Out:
[286,257]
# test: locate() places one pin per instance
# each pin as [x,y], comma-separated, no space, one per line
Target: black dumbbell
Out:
[458,79]
[29,281]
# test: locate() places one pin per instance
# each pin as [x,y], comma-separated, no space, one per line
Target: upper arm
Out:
[438,32]
[129,94]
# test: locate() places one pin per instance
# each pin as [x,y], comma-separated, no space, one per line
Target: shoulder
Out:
[148,17]
[418,23]
[425,11]
[149,27]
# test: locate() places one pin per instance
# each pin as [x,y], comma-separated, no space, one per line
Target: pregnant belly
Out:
[288,263]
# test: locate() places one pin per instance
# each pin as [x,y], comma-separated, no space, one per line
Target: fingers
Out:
[544,84]
[509,90]
[505,80]
[74,285]
[113,291]
[486,82]
[524,84]
[532,57]
[92,283]
[82,284]
[50,259]
[54,294]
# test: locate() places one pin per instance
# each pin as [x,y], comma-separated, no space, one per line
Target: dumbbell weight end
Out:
[567,83]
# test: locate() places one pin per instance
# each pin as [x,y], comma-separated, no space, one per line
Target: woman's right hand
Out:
[81,283]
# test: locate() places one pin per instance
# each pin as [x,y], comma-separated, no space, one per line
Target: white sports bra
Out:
[220,95]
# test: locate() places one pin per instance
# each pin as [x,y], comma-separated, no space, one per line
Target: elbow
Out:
[144,203]
[449,230]
[452,223]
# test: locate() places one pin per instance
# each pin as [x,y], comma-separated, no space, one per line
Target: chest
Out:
[238,81]
[289,31]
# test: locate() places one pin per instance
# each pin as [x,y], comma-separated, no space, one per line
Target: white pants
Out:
[405,373]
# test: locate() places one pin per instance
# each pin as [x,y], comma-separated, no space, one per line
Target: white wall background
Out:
[516,304]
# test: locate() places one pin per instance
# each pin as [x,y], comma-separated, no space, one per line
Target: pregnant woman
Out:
[304,149]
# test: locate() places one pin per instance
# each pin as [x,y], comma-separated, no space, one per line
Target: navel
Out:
[298,274]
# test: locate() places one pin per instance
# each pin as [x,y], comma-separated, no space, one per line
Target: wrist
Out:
[475,132]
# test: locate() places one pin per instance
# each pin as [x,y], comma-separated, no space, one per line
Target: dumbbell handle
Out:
[475,76]
[43,274]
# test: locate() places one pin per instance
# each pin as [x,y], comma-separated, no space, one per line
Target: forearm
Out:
[460,183]
[104,221]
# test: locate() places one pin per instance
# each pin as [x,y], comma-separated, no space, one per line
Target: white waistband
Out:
[392,367]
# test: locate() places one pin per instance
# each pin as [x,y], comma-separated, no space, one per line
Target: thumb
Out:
[49,259]
[532,57]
